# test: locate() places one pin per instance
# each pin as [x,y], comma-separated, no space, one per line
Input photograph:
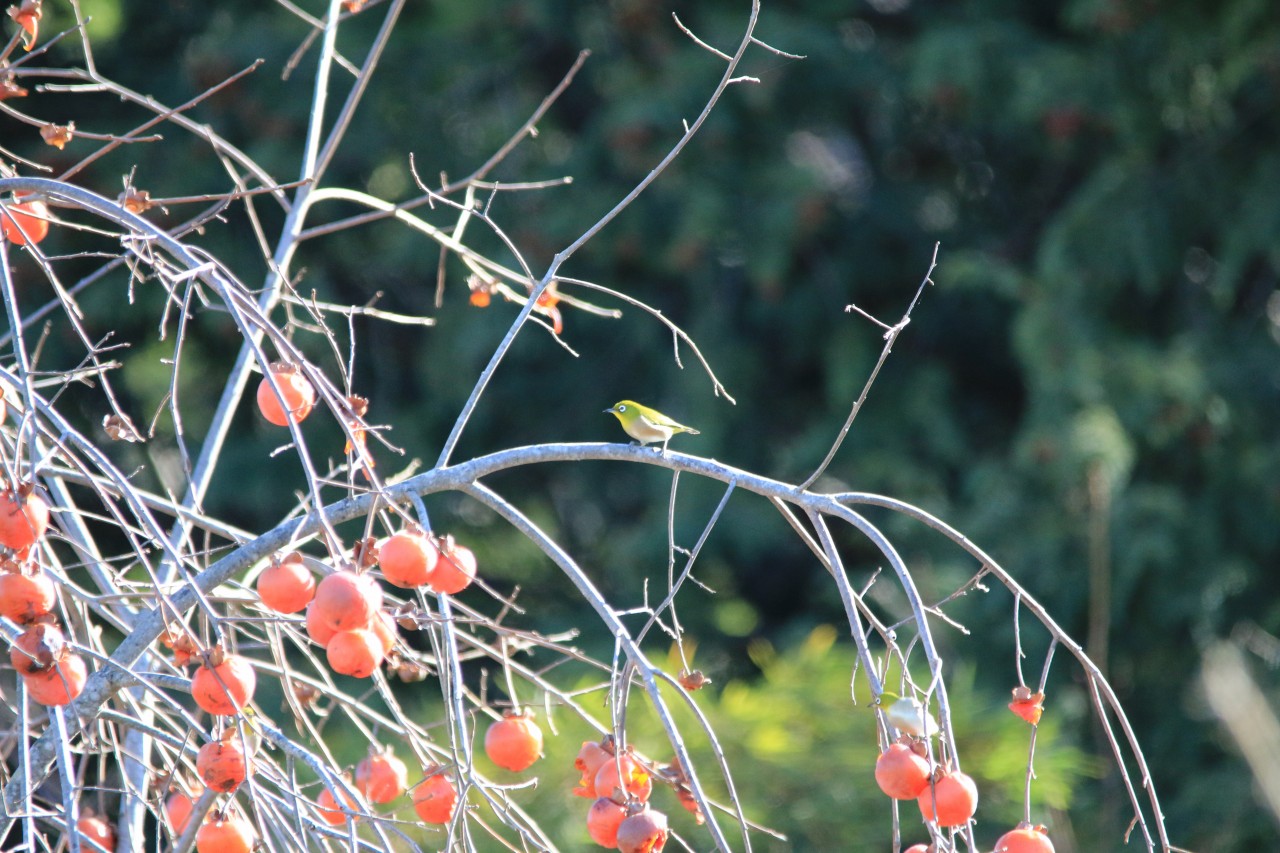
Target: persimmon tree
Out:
[144,630]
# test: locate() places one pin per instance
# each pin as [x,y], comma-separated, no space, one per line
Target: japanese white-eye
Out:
[906,714]
[645,424]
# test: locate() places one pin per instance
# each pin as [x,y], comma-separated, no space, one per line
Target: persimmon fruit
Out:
[177,808]
[407,559]
[645,831]
[357,652]
[96,829]
[287,585]
[35,649]
[226,687]
[381,777]
[951,800]
[514,742]
[346,600]
[901,772]
[331,812]
[222,764]
[25,598]
[26,222]
[1025,839]
[611,775]
[61,683]
[225,833]
[298,393]
[455,568]
[603,819]
[23,519]
[435,799]
[591,757]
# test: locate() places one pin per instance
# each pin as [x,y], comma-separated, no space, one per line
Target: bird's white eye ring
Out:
[622,408]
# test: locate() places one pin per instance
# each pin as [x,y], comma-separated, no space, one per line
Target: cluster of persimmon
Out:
[53,673]
[619,785]
[948,797]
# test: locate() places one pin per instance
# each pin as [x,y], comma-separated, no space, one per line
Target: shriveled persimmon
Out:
[346,600]
[435,799]
[381,777]
[287,585]
[514,742]
[590,758]
[24,518]
[1027,705]
[299,395]
[224,683]
[26,597]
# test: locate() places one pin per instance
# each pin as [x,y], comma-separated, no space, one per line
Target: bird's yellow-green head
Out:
[645,424]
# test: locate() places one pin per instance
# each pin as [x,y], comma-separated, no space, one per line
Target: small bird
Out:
[907,714]
[645,424]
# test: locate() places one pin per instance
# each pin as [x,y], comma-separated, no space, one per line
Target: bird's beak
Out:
[607,412]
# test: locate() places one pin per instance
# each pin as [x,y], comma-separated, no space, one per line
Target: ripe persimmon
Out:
[435,798]
[24,517]
[35,649]
[61,683]
[901,772]
[407,559]
[951,799]
[223,764]
[94,828]
[357,652]
[346,600]
[383,625]
[177,808]
[225,833]
[645,831]
[24,598]
[611,775]
[1025,839]
[455,569]
[332,812]
[317,628]
[381,777]
[223,686]
[26,222]
[603,819]
[514,742]
[298,393]
[287,585]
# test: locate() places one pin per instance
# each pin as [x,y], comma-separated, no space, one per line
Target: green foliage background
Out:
[1101,175]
